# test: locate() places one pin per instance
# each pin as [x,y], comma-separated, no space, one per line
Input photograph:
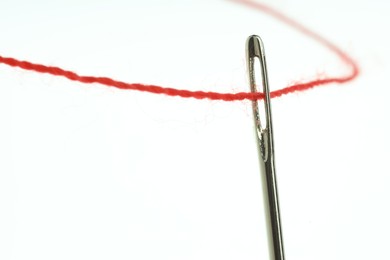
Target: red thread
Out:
[56,71]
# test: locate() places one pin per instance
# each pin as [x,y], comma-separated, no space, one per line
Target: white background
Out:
[91,172]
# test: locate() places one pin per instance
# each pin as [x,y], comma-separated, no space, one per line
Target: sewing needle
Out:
[264,136]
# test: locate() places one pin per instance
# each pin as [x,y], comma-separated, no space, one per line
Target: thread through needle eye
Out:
[264,136]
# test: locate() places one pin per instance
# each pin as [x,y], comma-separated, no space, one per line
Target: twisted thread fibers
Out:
[56,71]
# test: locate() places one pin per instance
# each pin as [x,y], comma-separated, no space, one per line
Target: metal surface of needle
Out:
[264,135]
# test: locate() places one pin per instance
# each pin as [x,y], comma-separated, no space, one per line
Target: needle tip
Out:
[254,47]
